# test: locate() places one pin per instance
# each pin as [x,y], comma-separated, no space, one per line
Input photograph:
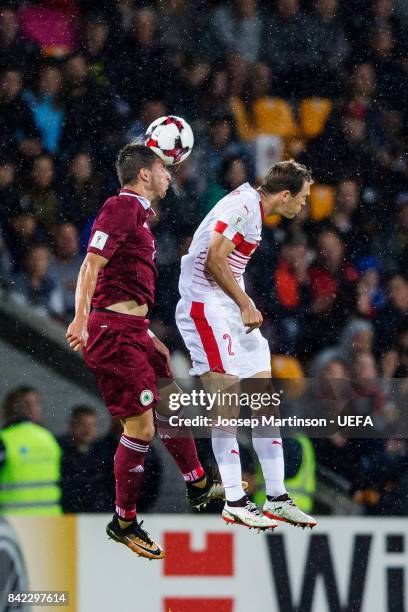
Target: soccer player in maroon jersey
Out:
[115,288]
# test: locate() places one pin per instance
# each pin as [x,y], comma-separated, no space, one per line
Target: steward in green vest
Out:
[301,486]
[30,460]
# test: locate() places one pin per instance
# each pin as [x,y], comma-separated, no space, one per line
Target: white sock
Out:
[226,453]
[270,455]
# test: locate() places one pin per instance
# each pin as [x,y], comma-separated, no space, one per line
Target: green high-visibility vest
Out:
[29,478]
[302,486]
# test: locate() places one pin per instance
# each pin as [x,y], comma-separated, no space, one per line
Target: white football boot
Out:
[286,510]
[247,515]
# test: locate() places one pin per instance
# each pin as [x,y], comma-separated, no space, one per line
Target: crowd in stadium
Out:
[323,82]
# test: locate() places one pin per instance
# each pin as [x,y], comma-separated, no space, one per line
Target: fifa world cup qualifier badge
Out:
[146,397]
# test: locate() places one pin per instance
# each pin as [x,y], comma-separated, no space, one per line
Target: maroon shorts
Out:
[125,362]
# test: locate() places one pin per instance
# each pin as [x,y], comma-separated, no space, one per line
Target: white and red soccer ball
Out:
[171,138]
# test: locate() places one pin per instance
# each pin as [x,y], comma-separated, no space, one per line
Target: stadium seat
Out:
[272,221]
[274,116]
[321,201]
[290,370]
[313,113]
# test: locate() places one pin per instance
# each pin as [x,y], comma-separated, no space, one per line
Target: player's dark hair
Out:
[131,159]
[286,175]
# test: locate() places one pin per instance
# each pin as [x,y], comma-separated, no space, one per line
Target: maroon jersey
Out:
[122,235]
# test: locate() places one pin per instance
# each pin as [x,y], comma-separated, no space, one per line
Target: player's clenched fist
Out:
[77,335]
[251,317]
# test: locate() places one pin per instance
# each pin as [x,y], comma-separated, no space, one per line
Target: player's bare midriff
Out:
[130,307]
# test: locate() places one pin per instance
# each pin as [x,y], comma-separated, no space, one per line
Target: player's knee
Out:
[142,431]
[147,433]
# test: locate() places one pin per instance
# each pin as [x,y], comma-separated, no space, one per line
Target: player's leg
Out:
[179,441]
[268,446]
[238,507]
[266,440]
[224,437]
[138,431]
[115,352]
[207,333]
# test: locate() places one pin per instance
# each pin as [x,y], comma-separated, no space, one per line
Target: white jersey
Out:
[238,216]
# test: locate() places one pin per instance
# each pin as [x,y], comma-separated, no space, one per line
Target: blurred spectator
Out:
[142,70]
[286,47]
[333,283]
[41,196]
[80,191]
[34,285]
[221,143]
[29,459]
[370,397]
[237,28]
[29,403]
[384,17]
[395,361]
[22,232]
[216,92]
[232,174]
[176,24]
[344,216]
[65,264]
[190,85]
[371,296]
[330,48]
[387,71]
[363,102]
[357,337]
[97,49]
[88,110]
[343,148]
[45,104]
[293,295]
[9,194]
[393,241]
[152,110]
[336,361]
[15,52]
[80,476]
[394,314]
[18,129]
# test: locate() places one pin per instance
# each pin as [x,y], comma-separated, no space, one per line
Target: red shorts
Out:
[125,362]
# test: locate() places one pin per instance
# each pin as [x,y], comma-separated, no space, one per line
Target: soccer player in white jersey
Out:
[219,324]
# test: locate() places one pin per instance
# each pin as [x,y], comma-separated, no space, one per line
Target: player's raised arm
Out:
[217,265]
[88,274]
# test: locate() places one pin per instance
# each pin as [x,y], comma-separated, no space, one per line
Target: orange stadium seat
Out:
[290,370]
[314,113]
[274,116]
[272,221]
[321,201]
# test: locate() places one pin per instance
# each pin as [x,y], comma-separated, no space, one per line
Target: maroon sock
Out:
[180,443]
[129,472]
